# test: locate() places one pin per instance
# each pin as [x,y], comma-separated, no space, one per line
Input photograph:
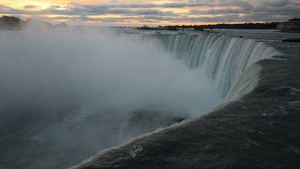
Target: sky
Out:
[151,12]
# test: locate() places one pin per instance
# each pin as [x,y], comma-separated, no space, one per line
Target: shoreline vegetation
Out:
[271,25]
[11,23]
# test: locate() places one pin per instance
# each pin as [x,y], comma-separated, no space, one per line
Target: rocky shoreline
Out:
[261,130]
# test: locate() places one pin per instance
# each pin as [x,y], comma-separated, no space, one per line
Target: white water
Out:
[223,59]
[66,95]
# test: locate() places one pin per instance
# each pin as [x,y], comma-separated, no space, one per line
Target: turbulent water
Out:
[66,95]
[223,59]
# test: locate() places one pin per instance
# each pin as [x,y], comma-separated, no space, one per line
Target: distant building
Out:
[291,25]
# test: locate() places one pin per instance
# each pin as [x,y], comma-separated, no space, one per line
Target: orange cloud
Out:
[59,16]
[19,4]
[159,12]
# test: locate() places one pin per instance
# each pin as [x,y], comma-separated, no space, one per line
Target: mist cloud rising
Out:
[103,87]
[55,69]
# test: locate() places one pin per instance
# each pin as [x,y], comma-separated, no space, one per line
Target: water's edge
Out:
[259,130]
[225,60]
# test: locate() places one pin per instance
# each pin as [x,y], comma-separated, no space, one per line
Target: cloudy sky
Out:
[152,12]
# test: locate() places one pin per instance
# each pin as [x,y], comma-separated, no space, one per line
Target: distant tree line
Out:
[10,23]
[270,25]
[13,23]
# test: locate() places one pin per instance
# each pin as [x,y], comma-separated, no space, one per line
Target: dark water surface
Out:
[261,130]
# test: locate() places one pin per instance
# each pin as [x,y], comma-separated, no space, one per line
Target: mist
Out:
[65,95]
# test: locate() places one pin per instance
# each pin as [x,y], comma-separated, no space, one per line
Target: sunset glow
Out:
[151,12]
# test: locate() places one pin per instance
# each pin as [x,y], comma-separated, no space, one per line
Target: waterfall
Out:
[225,60]
[66,95]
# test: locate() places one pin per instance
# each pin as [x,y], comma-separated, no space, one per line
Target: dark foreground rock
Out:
[262,130]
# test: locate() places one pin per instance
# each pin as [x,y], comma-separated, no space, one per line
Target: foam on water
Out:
[66,95]
[222,59]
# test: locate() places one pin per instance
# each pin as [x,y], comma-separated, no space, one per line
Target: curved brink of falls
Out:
[216,139]
[223,59]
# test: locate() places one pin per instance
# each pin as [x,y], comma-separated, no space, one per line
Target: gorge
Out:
[258,126]
[67,95]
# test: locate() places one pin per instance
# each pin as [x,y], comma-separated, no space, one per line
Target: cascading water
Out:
[221,58]
[238,134]
[65,96]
